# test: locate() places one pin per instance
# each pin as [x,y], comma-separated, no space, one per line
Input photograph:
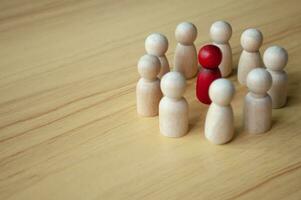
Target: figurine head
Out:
[156,44]
[210,56]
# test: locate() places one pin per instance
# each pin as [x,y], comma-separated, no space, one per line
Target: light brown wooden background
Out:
[68,124]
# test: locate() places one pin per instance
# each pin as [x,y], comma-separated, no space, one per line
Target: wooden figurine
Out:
[210,57]
[185,59]
[157,44]
[219,124]
[220,33]
[275,58]
[148,90]
[258,104]
[250,58]
[173,107]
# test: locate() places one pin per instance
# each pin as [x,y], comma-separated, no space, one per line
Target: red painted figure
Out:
[210,56]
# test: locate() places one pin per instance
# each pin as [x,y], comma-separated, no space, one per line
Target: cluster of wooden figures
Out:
[267,85]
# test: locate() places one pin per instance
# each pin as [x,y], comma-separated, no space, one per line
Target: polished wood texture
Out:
[69,128]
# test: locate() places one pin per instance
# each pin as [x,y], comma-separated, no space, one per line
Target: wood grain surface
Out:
[68,123]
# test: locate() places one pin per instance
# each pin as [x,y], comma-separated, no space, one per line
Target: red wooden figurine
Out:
[210,56]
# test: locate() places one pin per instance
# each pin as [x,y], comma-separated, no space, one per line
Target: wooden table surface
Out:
[68,122]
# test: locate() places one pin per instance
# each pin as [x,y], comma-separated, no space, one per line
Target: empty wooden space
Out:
[68,122]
